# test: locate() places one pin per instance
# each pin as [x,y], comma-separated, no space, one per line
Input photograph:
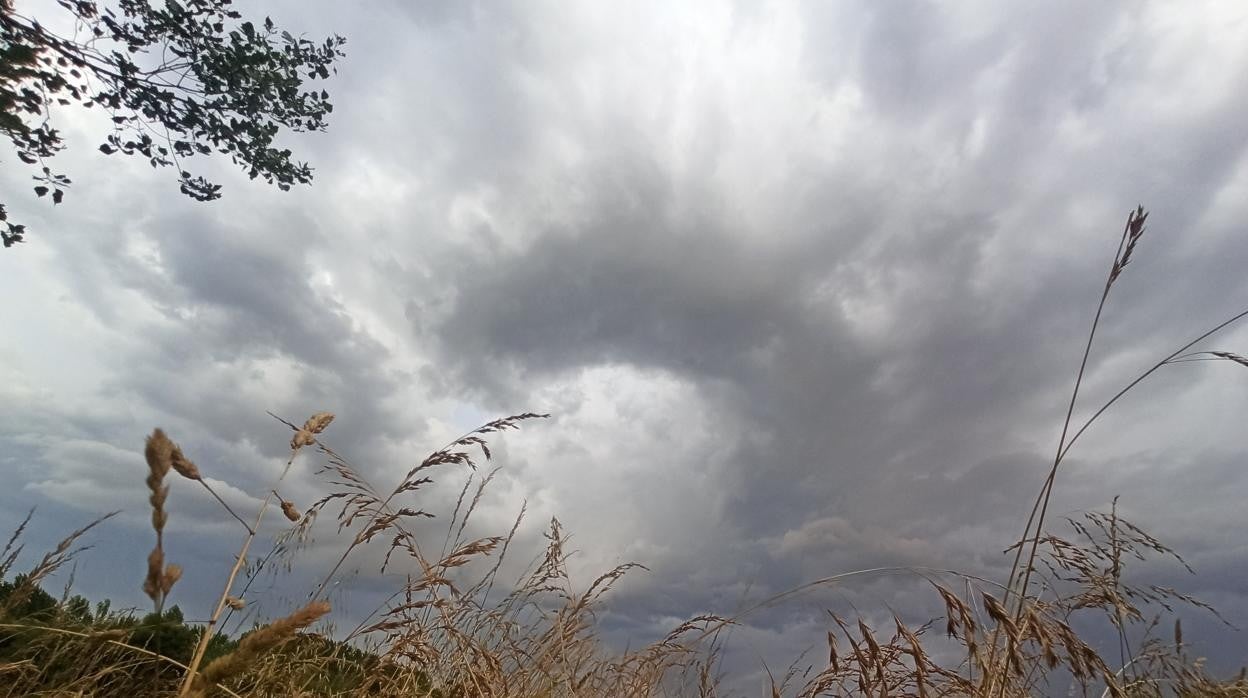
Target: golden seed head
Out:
[171,576]
[159,516]
[159,491]
[115,635]
[184,466]
[156,560]
[317,422]
[159,454]
[256,643]
[306,615]
[302,438]
[155,565]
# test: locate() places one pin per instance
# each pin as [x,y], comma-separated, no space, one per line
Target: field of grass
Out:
[455,628]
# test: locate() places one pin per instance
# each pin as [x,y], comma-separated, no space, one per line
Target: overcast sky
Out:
[803,286]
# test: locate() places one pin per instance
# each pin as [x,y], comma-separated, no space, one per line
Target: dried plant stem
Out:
[770,601]
[1020,573]
[382,508]
[222,602]
[226,506]
[48,565]
[1043,499]
[8,557]
[1171,359]
[256,644]
[242,594]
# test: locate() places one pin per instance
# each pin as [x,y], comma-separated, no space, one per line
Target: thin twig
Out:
[207,635]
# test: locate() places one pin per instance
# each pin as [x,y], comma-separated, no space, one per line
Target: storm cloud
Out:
[803,286]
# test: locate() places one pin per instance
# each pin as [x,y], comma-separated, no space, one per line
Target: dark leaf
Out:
[233,93]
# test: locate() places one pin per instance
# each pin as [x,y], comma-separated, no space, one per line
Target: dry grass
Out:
[255,646]
[454,628]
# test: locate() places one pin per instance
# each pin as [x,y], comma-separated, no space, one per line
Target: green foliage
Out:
[180,80]
[321,666]
[78,610]
[23,600]
[166,634]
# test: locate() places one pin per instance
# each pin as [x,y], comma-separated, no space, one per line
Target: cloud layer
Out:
[803,286]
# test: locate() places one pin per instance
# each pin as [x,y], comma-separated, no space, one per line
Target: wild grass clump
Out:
[455,628]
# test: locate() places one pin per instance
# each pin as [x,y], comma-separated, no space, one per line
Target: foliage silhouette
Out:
[178,80]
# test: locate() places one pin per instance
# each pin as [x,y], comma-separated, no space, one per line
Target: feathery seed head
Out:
[155,570]
[171,576]
[183,465]
[302,438]
[159,453]
[317,422]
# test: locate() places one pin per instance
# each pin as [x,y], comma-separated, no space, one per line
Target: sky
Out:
[803,286]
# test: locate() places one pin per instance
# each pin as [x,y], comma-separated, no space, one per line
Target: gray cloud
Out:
[803,288]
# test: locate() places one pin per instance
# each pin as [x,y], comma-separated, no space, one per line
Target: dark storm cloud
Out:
[804,290]
[944,424]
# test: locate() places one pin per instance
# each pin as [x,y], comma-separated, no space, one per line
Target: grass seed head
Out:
[159,454]
[155,572]
[302,438]
[184,466]
[257,643]
[170,577]
[317,422]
